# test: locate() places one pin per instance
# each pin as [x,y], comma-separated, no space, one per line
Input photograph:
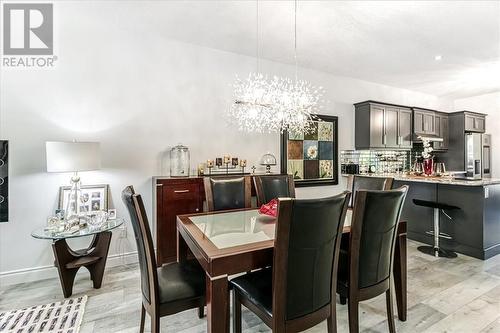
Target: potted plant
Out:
[427,157]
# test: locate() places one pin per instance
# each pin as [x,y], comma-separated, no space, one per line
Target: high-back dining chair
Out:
[365,271]
[271,187]
[168,289]
[224,193]
[298,292]
[357,182]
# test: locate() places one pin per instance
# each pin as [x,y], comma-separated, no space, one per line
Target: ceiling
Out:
[389,42]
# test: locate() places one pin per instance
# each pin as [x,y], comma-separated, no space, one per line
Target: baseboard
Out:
[48,272]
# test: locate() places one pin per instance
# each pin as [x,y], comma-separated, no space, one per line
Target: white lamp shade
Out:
[72,156]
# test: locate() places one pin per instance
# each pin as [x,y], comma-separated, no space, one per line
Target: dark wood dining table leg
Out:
[69,261]
[182,248]
[217,304]
[400,276]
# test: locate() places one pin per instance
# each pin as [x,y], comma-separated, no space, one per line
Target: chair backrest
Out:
[223,193]
[308,235]
[272,187]
[144,241]
[374,229]
[356,183]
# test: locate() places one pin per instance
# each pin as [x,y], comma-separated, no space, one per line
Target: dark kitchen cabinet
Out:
[442,131]
[474,122]
[380,125]
[424,122]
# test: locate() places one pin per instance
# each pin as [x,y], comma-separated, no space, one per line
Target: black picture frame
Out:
[319,181]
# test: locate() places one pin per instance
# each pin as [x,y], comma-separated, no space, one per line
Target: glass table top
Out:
[48,233]
[235,228]
[230,229]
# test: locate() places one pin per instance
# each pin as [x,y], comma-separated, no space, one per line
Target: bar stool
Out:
[436,250]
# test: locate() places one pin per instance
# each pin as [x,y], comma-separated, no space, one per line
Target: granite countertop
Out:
[440,180]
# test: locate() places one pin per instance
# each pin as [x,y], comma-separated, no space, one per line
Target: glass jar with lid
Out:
[179,161]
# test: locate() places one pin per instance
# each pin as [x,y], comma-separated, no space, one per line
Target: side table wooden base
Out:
[69,261]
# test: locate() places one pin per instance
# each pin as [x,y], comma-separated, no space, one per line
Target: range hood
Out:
[429,137]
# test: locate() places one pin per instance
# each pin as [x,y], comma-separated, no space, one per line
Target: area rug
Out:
[58,317]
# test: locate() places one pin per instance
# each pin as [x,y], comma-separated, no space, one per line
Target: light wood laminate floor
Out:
[444,295]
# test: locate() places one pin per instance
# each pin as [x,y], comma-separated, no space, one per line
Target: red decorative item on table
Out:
[270,208]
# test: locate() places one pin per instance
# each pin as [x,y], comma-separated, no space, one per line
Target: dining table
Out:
[226,243]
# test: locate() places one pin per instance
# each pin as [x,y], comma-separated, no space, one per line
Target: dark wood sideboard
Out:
[172,197]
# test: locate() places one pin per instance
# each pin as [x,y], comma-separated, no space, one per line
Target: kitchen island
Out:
[475,227]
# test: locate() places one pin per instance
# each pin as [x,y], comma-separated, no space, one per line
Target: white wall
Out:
[489,104]
[138,94]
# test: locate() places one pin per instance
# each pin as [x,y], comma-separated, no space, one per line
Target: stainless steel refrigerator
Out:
[486,160]
[477,155]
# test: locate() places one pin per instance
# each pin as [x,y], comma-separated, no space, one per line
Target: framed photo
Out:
[312,158]
[93,198]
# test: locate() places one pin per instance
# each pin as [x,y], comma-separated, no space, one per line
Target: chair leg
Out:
[201,312]
[343,300]
[155,323]
[236,312]
[143,317]
[390,311]
[332,320]
[353,315]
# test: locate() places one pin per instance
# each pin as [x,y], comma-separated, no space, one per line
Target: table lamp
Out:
[73,157]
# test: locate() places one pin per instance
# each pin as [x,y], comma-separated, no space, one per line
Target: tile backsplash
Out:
[375,161]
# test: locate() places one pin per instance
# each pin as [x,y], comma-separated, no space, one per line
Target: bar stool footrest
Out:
[441,235]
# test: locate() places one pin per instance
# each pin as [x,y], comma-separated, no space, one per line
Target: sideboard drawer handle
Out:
[181,191]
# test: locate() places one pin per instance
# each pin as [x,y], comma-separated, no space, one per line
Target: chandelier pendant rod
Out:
[257,33]
[295,43]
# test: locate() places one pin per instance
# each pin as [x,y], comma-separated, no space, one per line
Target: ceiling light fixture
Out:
[276,104]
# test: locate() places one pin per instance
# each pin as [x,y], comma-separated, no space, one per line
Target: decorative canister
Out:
[179,161]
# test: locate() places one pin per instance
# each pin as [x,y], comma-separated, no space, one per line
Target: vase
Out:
[428,166]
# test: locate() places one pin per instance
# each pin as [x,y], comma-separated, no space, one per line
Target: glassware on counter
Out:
[418,168]
[179,161]
[439,169]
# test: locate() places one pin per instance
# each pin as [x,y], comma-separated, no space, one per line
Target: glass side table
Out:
[69,261]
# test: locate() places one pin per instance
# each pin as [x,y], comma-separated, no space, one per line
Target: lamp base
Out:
[72,207]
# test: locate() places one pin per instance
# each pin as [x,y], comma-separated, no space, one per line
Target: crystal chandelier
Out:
[275,104]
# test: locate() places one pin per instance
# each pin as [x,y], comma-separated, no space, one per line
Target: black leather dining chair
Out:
[298,291]
[365,270]
[271,187]
[168,289]
[224,193]
[357,182]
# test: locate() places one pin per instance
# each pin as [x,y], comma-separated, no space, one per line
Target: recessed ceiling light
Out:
[438,57]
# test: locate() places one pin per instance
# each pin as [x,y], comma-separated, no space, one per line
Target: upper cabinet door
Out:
[479,124]
[391,138]
[418,122]
[441,128]
[377,132]
[475,123]
[429,123]
[469,123]
[404,126]
[424,122]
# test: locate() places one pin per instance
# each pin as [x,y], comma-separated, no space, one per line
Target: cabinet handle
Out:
[181,191]
[159,185]
[197,209]
[384,139]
